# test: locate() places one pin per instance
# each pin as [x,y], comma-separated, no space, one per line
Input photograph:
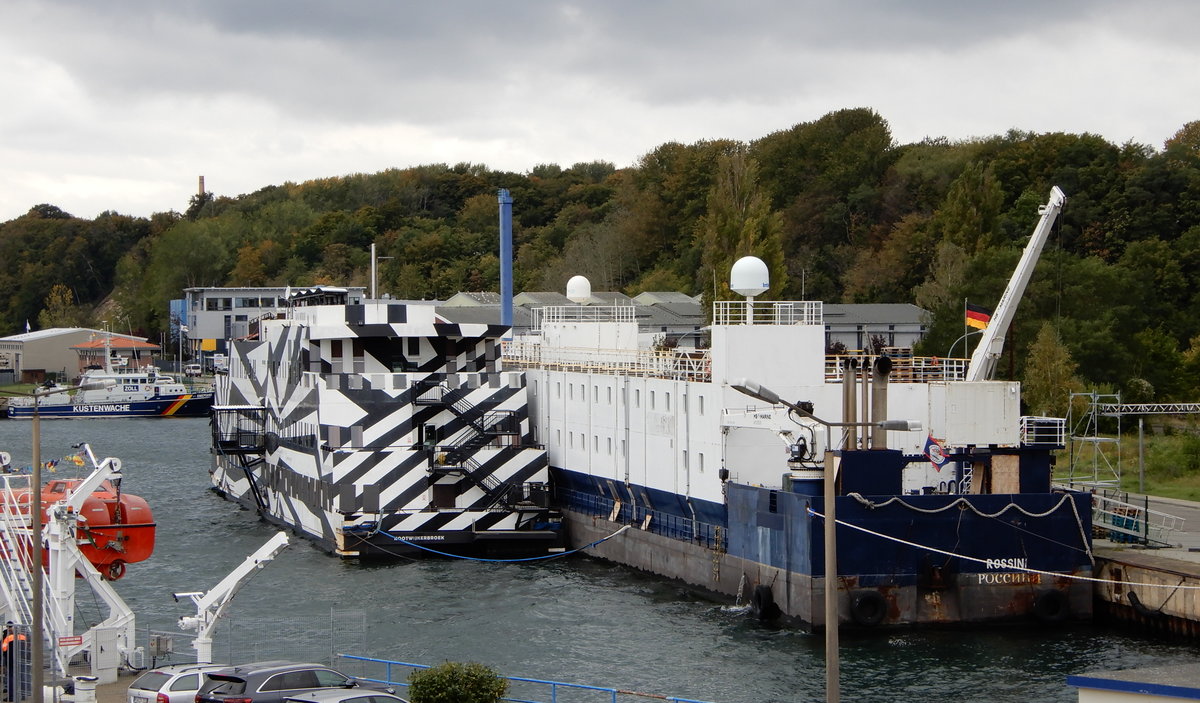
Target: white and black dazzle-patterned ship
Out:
[380,429]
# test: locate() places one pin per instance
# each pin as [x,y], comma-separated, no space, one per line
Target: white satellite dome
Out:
[749,277]
[579,290]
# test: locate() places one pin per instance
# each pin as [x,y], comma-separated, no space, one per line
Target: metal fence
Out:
[520,689]
[249,639]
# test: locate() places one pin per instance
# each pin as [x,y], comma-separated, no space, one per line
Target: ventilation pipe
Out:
[506,256]
[849,403]
[879,384]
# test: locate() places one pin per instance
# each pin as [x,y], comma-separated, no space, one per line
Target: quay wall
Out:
[1148,591]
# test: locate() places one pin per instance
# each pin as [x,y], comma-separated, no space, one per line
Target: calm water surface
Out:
[576,620]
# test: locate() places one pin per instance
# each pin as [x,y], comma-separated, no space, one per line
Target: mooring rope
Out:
[985,561]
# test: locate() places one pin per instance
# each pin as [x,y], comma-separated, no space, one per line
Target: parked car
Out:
[193,370]
[177,683]
[271,682]
[337,695]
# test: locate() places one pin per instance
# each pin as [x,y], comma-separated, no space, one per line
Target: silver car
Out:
[177,683]
[335,695]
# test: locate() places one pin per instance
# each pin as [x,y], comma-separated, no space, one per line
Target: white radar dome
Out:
[579,290]
[749,277]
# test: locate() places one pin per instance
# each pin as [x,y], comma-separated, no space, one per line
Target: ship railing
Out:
[520,689]
[1043,431]
[672,364]
[905,367]
[581,313]
[768,312]
[239,428]
[14,540]
[654,521]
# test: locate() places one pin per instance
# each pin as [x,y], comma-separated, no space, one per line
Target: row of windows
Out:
[608,445]
[654,397]
[217,304]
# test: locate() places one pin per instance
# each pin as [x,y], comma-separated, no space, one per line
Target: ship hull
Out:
[769,553]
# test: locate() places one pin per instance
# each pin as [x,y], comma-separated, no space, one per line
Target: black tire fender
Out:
[868,607]
[762,604]
[1051,605]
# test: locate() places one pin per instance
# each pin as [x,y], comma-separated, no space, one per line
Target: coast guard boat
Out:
[116,392]
[717,454]
[381,429]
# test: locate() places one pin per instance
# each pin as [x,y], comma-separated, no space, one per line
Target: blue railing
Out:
[554,687]
[661,523]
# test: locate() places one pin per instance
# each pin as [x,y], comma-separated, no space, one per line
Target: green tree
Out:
[1049,374]
[454,682]
[739,222]
[60,310]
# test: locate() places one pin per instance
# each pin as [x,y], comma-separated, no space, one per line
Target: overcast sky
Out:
[122,104]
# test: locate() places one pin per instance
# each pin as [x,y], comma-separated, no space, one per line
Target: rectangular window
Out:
[570,391]
[701,404]
[700,458]
[558,389]
[558,437]
[610,395]
[667,400]
[637,397]
[685,464]
[533,390]
[610,446]
[651,400]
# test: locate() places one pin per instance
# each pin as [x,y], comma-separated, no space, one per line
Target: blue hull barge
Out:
[942,490]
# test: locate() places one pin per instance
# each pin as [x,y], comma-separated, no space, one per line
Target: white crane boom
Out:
[209,606]
[991,345]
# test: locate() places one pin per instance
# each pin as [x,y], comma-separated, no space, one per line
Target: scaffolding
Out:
[1091,462]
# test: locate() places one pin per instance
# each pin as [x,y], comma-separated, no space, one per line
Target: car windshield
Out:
[151,681]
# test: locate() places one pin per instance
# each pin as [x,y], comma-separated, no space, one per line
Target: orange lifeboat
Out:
[114,528]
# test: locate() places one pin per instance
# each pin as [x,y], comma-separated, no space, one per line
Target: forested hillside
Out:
[839,211]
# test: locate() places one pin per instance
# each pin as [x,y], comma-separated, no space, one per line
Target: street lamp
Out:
[35,528]
[754,390]
[950,354]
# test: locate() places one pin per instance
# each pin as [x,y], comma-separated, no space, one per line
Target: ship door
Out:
[429,437]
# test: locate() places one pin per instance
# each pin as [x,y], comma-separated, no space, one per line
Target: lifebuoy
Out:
[868,607]
[1051,606]
[762,603]
[115,570]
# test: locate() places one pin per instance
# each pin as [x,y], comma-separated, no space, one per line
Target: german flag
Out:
[978,316]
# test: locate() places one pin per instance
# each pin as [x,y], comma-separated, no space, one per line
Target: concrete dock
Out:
[1153,589]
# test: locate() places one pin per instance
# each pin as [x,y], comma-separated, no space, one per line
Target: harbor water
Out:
[573,619]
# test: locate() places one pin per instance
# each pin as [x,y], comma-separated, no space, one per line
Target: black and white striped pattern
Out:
[385,427]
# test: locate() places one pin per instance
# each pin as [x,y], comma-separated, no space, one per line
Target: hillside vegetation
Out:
[838,210]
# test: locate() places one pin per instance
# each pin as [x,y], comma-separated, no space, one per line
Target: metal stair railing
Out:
[1129,522]
[16,564]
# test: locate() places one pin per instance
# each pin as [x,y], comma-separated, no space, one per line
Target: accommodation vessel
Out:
[379,428]
[719,452]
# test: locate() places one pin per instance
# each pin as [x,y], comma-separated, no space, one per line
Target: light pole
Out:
[373,260]
[37,630]
[832,664]
[950,354]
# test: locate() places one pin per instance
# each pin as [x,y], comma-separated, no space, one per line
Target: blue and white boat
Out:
[723,483]
[133,393]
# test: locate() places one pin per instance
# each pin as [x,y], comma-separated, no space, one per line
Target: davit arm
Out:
[210,606]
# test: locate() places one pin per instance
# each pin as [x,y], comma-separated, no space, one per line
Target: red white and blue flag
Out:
[936,452]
